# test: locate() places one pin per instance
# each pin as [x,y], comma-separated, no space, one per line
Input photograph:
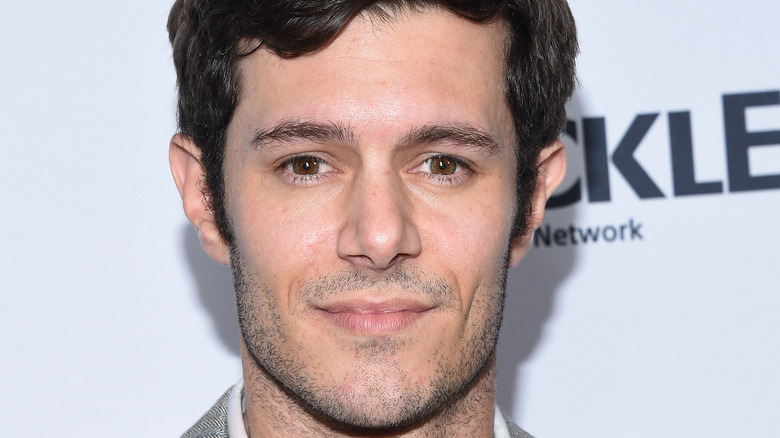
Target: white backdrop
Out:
[114,323]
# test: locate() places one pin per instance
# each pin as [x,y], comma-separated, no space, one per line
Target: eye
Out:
[443,165]
[305,165]
[444,169]
[306,169]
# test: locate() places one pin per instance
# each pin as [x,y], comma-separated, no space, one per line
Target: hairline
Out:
[388,12]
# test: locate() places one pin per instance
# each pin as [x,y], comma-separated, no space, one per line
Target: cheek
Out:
[468,248]
[283,238]
[473,231]
[301,232]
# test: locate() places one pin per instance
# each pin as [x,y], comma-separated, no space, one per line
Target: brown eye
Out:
[443,165]
[305,165]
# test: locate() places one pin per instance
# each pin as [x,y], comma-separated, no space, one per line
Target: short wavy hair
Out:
[209,37]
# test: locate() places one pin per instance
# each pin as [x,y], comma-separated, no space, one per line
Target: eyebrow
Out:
[460,134]
[290,130]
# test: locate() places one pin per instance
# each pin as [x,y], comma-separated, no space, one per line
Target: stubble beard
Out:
[385,402]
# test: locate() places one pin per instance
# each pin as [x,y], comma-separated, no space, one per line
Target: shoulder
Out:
[213,424]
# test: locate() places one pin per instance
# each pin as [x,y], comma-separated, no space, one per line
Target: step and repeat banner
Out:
[648,305]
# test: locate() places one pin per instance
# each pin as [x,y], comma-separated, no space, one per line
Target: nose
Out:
[379,231]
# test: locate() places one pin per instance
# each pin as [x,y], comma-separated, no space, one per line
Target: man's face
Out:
[370,188]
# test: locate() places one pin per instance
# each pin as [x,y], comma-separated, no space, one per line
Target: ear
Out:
[189,176]
[552,168]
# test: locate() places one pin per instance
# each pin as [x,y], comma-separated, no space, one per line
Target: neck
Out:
[273,411]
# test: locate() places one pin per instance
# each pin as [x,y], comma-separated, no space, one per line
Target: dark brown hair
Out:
[210,36]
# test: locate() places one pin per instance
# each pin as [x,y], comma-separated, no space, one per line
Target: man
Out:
[369,170]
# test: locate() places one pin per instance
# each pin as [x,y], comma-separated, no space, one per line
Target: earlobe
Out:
[552,168]
[189,176]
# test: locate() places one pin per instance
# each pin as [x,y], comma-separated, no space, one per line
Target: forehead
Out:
[415,67]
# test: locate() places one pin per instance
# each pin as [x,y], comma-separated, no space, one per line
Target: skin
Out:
[370,260]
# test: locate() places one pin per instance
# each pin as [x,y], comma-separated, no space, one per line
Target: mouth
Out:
[368,318]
